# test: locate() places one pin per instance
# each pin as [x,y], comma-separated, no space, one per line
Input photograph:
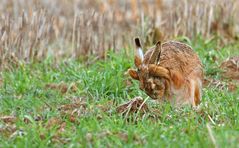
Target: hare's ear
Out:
[133,74]
[159,71]
[139,56]
[155,56]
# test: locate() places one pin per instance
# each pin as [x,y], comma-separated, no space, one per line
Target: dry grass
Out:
[32,29]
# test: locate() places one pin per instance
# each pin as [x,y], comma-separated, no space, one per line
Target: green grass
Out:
[102,87]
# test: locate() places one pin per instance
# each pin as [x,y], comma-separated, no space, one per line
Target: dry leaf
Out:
[8,119]
[53,122]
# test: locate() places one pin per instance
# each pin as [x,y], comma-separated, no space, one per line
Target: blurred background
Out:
[32,30]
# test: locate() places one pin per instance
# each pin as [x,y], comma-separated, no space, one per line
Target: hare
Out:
[169,71]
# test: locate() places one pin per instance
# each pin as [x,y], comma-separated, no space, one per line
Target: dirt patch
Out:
[74,110]
[107,106]
[122,135]
[220,84]
[62,87]
[53,122]
[58,136]
[232,87]
[1,82]
[68,107]
[230,68]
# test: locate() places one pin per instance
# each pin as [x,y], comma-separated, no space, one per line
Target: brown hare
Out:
[169,71]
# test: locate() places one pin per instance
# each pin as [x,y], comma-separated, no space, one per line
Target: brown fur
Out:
[197,95]
[177,79]
[133,74]
[137,61]
[158,70]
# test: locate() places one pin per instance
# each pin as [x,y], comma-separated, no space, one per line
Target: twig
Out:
[211,135]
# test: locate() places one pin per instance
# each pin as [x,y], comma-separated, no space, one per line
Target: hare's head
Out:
[153,78]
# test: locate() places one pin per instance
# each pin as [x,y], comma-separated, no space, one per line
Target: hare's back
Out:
[181,57]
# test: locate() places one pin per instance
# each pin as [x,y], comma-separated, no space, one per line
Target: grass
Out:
[43,119]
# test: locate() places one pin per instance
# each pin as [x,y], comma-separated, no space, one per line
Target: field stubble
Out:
[32,30]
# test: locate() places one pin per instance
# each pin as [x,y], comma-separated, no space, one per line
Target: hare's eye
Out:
[138,70]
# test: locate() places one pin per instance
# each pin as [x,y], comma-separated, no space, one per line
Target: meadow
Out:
[59,89]
[38,114]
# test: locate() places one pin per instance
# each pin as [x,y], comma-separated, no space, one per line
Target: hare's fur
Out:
[185,74]
[179,57]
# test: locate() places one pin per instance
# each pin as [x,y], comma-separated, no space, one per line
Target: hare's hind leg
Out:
[197,95]
[197,92]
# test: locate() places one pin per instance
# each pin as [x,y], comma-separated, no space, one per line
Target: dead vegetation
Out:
[8,119]
[230,68]
[62,87]
[1,82]
[74,111]
[229,76]
[33,30]
[121,135]
[136,105]
[220,84]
